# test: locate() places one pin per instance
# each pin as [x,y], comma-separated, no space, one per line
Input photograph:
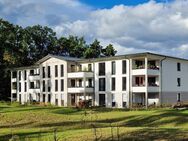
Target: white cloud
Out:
[156,27]
[44,12]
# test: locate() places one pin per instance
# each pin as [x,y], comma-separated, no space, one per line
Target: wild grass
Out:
[36,123]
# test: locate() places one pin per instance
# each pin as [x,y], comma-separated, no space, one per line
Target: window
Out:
[56,85]
[113,100]
[14,95]
[25,75]
[113,69]
[49,98]
[101,69]
[179,97]
[49,72]
[43,72]
[80,68]
[89,67]
[179,82]
[56,71]
[113,84]
[31,85]
[178,67]
[124,67]
[102,84]
[124,99]
[37,84]
[20,87]
[31,72]
[73,83]
[25,88]
[49,86]
[62,70]
[152,81]
[19,75]
[80,82]
[73,68]
[62,85]
[43,98]
[90,83]
[43,85]
[124,104]
[14,74]
[124,85]
[14,85]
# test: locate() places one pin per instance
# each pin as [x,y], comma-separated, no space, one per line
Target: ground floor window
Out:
[179,97]
[56,99]
[153,95]
[124,104]
[20,98]
[43,98]
[102,100]
[49,98]
[124,99]
[14,95]
[113,100]
[38,97]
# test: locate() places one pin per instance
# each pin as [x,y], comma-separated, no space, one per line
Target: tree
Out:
[24,46]
[12,47]
[41,41]
[72,46]
[94,50]
[109,50]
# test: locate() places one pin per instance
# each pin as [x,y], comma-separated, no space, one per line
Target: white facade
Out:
[121,81]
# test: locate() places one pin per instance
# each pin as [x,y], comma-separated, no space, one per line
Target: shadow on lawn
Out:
[24,136]
[174,117]
[167,117]
[16,125]
[151,134]
[26,108]
[151,124]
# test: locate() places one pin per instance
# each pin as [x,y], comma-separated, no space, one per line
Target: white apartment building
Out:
[119,81]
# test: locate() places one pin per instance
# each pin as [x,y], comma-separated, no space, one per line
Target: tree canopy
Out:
[24,46]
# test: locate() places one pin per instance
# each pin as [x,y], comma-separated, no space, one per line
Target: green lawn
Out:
[68,124]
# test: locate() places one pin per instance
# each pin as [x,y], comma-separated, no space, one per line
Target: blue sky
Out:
[111,3]
[130,25]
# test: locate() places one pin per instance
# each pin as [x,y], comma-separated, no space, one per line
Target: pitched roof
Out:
[25,68]
[65,58]
[127,56]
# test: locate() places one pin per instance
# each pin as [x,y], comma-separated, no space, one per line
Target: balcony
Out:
[138,67]
[80,90]
[34,77]
[87,74]
[143,89]
[153,84]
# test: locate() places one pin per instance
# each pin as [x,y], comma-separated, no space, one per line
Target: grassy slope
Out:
[39,123]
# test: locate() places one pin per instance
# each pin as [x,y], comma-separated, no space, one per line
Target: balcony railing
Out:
[152,67]
[37,74]
[82,70]
[153,85]
[139,85]
[34,88]
[149,85]
[139,67]
[80,87]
